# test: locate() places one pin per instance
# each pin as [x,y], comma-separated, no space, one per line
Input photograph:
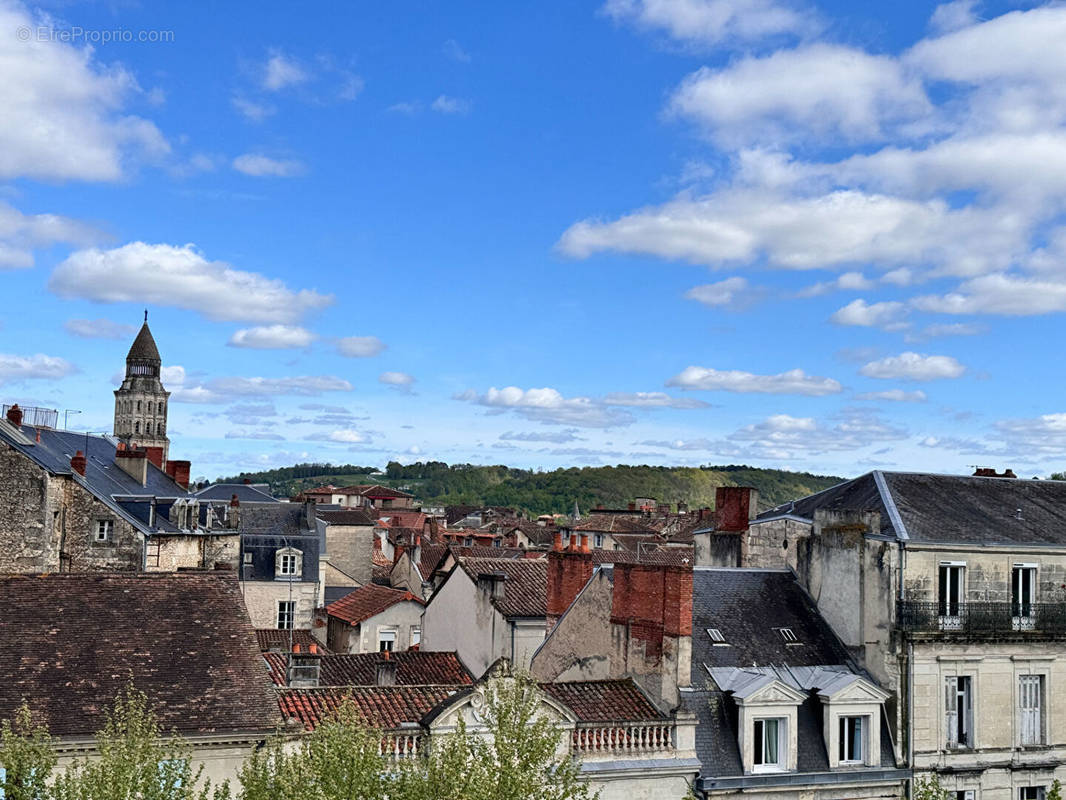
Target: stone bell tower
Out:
[141,400]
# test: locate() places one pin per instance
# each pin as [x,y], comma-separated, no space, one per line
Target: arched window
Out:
[159,429]
[148,428]
[149,406]
[138,406]
[136,427]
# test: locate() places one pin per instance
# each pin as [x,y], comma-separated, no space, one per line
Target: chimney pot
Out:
[296,648]
[557,545]
[234,502]
[584,543]
[14,415]
[78,462]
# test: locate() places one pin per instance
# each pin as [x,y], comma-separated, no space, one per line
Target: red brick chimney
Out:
[14,416]
[179,472]
[735,506]
[77,463]
[568,572]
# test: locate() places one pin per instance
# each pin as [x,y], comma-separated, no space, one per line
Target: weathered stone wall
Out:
[351,550]
[775,544]
[988,572]
[261,599]
[579,647]
[462,618]
[168,553]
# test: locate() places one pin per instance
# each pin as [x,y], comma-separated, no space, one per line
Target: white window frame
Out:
[286,613]
[1023,586]
[105,529]
[951,593]
[1032,701]
[958,711]
[416,635]
[597,541]
[846,740]
[759,749]
[387,636]
[288,564]
[1032,793]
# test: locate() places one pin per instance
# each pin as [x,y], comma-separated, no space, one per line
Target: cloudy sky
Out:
[823,236]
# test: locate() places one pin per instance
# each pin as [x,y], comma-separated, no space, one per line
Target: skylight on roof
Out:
[717,637]
[788,635]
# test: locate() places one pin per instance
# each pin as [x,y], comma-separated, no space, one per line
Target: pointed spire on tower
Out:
[576,513]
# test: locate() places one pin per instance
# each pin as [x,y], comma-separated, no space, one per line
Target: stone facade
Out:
[262,598]
[141,402]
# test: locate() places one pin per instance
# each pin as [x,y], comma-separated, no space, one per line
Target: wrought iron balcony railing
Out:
[982,619]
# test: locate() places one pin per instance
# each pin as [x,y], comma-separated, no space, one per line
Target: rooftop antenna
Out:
[66,414]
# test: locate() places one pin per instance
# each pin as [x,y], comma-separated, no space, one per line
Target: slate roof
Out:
[666,556]
[604,701]
[525,591]
[353,516]
[949,509]
[246,493]
[748,607]
[368,601]
[382,707]
[277,640]
[413,668]
[143,347]
[70,642]
[275,519]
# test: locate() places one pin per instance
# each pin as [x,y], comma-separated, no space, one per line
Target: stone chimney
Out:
[682,507]
[77,462]
[386,671]
[494,584]
[735,507]
[134,462]
[304,667]
[568,572]
[988,472]
[233,514]
[14,415]
[179,472]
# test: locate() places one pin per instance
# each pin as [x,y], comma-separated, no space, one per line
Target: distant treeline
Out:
[437,483]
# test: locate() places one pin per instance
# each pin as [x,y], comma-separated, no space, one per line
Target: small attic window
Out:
[788,635]
[717,637]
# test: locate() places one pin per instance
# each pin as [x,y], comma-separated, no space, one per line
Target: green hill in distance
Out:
[534,492]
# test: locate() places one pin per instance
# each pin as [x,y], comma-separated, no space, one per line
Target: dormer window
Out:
[288,563]
[770,744]
[852,740]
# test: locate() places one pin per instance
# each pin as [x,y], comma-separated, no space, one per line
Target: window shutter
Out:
[951,710]
[1029,705]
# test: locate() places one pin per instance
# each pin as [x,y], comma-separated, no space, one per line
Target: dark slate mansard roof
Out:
[923,507]
[747,606]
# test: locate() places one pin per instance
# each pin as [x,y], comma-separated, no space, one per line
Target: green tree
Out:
[26,756]
[135,761]
[1055,792]
[339,761]
[928,788]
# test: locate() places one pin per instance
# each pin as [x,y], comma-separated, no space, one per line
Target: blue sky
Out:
[818,236]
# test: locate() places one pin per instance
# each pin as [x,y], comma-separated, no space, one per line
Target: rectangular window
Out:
[1031,793]
[287,564]
[104,529]
[597,541]
[965,794]
[852,749]
[416,635]
[1031,709]
[951,594]
[286,614]
[386,640]
[247,558]
[958,710]
[1022,590]
[767,743]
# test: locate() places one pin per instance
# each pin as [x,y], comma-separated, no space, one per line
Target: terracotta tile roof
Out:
[374,490]
[525,591]
[70,642]
[321,490]
[618,523]
[491,552]
[278,640]
[604,701]
[413,668]
[403,518]
[383,707]
[431,557]
[367,601]
[670,556]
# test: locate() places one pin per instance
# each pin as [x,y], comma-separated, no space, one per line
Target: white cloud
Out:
[1000,293]
[911,366]
[260,166]
[64,113]
[262,435]
[453,50]
[549,406]
[406,107]
[944,329]
[347,436]
[281,71]
[651,400]
[821,90]
[21,234]
[303,385]
[894,396]
[360,346]
[35,367]
[795,381]
[680,444]
[450,105]
[952,16]
[1045,434]
[272,337]
[397,380]
[714,22]
[732,292]
[835,229]
[166,275]
[555,437]
[874,315]
[252,110]
[785,436]
[98,329]
[848,281]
